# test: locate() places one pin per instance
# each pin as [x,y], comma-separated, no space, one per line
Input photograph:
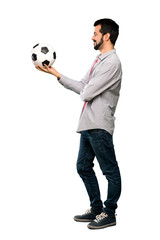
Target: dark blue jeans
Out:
[98,143]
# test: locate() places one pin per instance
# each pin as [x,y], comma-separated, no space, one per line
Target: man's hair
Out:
[108,26]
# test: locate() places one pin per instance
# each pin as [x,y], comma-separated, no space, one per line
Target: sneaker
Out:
[88,216]
[102,221]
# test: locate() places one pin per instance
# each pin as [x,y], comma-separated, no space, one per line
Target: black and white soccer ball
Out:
[43,54]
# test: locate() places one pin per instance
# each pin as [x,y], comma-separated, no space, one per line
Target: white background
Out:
[40,190]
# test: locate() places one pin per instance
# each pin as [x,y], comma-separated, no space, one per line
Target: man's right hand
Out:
[49,70]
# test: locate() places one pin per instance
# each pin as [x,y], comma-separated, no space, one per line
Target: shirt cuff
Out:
[62,80]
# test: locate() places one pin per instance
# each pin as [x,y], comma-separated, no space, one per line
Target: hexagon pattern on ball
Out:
[43,53]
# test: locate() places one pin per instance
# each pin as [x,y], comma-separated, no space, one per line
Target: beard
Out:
[97,46]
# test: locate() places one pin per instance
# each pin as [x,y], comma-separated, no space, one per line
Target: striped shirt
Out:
[100,90]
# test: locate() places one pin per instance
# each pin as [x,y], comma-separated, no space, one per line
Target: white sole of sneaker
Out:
[100,227]
[82,220]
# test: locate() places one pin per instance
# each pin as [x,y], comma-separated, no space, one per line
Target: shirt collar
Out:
[102,56]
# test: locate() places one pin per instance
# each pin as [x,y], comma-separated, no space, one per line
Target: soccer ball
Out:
[43,54]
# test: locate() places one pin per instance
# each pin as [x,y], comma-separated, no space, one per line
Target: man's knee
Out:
[80,169]
[84,171]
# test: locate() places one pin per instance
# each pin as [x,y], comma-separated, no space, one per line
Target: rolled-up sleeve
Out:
[108,75]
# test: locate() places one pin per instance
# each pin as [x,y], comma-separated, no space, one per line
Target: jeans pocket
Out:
[102,137]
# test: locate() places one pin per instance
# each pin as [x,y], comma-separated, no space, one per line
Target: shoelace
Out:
[100,217]
[88,211]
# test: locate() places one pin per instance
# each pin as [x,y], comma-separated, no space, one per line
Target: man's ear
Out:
[107,36]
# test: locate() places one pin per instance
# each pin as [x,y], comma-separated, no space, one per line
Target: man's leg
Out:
[85,169]
[102,144]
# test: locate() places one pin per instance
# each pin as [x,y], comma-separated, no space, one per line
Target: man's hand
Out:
[49,70]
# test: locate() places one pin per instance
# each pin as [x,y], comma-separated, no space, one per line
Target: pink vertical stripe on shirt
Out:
[89,79]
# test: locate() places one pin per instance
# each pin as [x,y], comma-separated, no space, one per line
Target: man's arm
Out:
[76,86]
[108,75]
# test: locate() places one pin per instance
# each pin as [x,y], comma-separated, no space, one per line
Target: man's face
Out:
[97,38]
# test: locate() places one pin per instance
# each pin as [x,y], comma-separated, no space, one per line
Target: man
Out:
[99,90]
